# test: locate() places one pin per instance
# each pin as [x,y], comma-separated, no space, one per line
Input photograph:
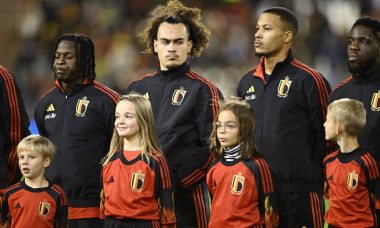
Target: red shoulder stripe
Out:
[164,169]
[15,121]
[265,175]
[331,155]
[316,210]
[323,93]
[342,83]
[107,91]
[254,68]
[373,170]
[215,99]
[200,206]
[61,193]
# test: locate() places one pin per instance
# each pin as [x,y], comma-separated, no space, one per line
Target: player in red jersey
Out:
[136,177]
[352,174]
[239,179]
[34,201]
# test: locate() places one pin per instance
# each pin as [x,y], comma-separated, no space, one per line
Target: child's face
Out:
[126,122]
[227,129]
[331,128]
[32,164]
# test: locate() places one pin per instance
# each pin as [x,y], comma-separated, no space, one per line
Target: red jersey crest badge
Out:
[137,181]
[178,96]
[352,180]
[237,184]
[284,87]
[43,209]
[81,108]
[375,101]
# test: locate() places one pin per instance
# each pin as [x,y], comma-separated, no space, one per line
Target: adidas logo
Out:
[251,89]
[146,95]
[51,108]
[111,180]
[330,178]
[18,206]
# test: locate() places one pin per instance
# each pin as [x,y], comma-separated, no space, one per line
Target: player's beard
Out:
[362,67]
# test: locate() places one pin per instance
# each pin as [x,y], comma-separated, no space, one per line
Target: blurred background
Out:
[29,29]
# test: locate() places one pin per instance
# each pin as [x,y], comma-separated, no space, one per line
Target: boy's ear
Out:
[339,128]
[47,162]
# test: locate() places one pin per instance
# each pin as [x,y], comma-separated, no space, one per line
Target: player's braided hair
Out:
[174,12]
[86,61]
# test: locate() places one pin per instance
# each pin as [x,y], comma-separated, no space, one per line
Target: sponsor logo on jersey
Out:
[18,206]
[146,95]
[251,89]
[352,180]
[375,101]
[81,108]
[51,108]
[50,116]
[178,96]
[137,181]
[237,184]
[44,209]
[250,97]
[283,87]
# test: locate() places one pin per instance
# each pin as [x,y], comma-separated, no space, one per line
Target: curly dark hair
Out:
[174,13]
[371,23]
[86,61]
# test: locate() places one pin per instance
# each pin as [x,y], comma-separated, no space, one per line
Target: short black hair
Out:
[286,16]
[86,61]
[371,23]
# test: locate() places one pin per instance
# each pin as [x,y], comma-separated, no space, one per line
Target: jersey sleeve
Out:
[373,178]
[61,217]
[267,204]
[4,211]
[164,191]
[14,122]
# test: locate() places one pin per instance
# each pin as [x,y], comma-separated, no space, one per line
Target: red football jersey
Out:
[34,207]
[137,189]
[353,189]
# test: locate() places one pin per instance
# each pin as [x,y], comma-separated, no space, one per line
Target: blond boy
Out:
[34,202]
[351,174]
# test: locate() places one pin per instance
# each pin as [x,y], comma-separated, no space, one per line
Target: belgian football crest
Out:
[237,184]
[44,209]
[137,181]
[178,96]
[81,108]
[352,180]
[283,87]
[375,101]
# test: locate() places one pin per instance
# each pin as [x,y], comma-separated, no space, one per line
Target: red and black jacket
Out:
[14,125]
[184,107]
[290,110]
[367,90]
[80,125]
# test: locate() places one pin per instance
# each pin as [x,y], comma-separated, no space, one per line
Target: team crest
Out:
[81,108]
[375,101]
[137,181]
[44,209]
[178,96]
[352,180]
[283,87]
[237,184]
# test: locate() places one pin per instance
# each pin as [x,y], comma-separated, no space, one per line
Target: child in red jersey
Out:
[34,202]
[239,179]
[136,176]
[351,174]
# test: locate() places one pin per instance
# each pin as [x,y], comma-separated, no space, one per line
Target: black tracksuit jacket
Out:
[80,125]
[367,90]
[290,110]
[14,126]
[184,107]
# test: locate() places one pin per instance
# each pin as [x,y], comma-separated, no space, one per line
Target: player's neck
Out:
[347,144]
[132,144]
[270,61]
[37,182]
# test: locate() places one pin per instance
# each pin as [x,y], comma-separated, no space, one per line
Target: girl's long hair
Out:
[145,120]
[247,126]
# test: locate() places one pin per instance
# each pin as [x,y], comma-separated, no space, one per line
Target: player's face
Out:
[64,65]
[227,129]
[172,45]
[126,122]
[269,36]
[32,164]
[362,50]
[331,128]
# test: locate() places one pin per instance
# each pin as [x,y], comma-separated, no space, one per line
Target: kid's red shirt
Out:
[34,207]
[138,189]
[241,194]
[353,189]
